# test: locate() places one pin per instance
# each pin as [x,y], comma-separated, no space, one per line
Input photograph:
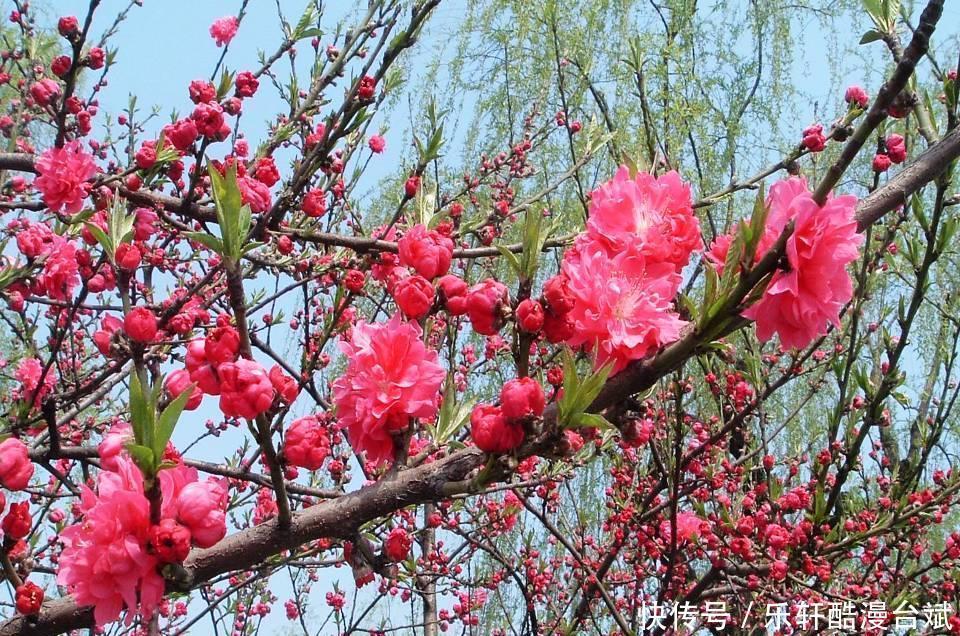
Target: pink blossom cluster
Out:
[500,428]
[801,301]
[63,177]
[111,556]
[214,367]
[390,379]
[623,272]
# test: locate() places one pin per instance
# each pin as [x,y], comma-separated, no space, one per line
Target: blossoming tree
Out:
[418,389]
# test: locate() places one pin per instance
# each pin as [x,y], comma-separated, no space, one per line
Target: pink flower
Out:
[306,443]
[63,177]
[265,171]
[201,507]
[68,25]
[222,345]
[113,443]
[622,302]
[201,370]
[29,598]
[367,88]
[105,562]
[202,91]
[246,83]
[453,291]
[799,303]
[414,296]
[813,139]
[654,212]
[209,120]
[45,91]
[492,432]
[314,203]
[391,377]
[28,373]
[182,134]
[377,143]
[688,527]
[558,328]
[17,522]
[170,541]
[285,386]
[398,544]
[140,324]
[557,295]
[530,316]
[178,382]
[485,300]
[881,162]
[411,186]
[60,274]
[103,337]
[855,95]
[127,257]
[36,240]
[426,251]
[16,469]
[223,29]
[521,398]
[254,193]
[896,148]
[245,389]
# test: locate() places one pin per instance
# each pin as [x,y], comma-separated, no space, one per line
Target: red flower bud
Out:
[127,257]
[491,431]
[29,598]
[414,296]
[522,397]
[16,525]
[530,316]
[398,544]
[170,541]
[140,324]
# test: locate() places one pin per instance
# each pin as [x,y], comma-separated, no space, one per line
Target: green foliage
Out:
[152,427]
[233,217]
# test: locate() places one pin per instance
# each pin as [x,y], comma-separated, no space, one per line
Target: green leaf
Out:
[590,388]
[874,9]
[531,244]
[102,239]
[304,23]
[758,222]
[229,203]
[144,458]
[252,245]
[871,36]
[579,394]
[226,82]
[453,416]
[120,224]
[168,420]
[590,420]
[511,259]
[209,240]
[141,411]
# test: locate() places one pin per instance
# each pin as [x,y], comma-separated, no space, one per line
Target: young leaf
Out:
[102,239]
[168,420]
[511,259]
[590,420]
[209,240]
[143,457]
[141,411]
